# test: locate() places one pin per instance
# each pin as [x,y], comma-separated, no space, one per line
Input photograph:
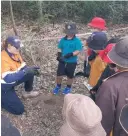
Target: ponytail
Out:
[4,45]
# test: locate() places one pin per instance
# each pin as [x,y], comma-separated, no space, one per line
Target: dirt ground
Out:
[45,118]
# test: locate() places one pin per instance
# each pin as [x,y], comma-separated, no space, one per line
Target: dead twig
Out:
[120,29]
[55,38]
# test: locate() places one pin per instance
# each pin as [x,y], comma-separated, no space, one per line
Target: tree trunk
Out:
[13,21]
[40,13]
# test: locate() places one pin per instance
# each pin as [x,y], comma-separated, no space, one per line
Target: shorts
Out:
[67,69]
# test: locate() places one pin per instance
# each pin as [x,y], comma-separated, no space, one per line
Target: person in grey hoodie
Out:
[124,118]
[113,93]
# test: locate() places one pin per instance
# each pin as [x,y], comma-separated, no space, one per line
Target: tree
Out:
[12,18]
[40,13]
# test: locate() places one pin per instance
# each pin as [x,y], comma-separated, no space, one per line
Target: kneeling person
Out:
[14,71]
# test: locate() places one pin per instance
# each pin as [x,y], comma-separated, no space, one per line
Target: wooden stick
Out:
[13,21]
[120,29]
[55,38]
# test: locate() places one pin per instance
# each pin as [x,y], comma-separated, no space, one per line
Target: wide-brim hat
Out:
[70,29]
[98,22]
[123,119]
[97,41]
[107,60]
[67,130]
[82,117]
[104,53]
[119,53]
[97,26]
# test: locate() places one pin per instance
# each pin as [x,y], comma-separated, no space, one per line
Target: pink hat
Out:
[82,117]
[104,53]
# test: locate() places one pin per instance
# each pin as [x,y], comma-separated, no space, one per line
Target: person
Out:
[81,117]
[123,119]
[113,92]
[97,43]
[86,70]
[69,46]
[14,71]
[108,71]
[7,129]
[97,24]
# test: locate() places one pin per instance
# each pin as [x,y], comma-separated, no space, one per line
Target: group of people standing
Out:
[105,112]
[106,67]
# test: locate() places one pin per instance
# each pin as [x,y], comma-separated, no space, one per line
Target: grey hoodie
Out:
[111,97]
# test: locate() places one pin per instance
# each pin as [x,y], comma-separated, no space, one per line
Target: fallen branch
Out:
[55,38]
[121,29]
[31,39]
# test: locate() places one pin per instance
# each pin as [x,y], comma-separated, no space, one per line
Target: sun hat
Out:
[103,54]
[98,22]
[82,117]
[119,53]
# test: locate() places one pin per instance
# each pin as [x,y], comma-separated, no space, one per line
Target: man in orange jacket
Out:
[14,71]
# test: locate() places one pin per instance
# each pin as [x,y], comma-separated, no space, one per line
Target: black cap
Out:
[70,28]
[97,41]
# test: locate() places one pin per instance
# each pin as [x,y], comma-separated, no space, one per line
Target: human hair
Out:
[4,45]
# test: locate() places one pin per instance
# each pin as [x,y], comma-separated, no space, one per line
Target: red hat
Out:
[103,54]
[98,22]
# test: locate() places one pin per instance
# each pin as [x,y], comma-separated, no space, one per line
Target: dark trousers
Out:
[9,99]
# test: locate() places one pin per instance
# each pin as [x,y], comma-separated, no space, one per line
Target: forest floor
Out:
[42,117]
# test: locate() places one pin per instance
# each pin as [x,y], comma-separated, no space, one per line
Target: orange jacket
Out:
[9,65]
[97,67]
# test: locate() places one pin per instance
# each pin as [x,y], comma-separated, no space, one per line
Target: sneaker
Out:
[30,94]
[56,90]
[88,86]
[66,90]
